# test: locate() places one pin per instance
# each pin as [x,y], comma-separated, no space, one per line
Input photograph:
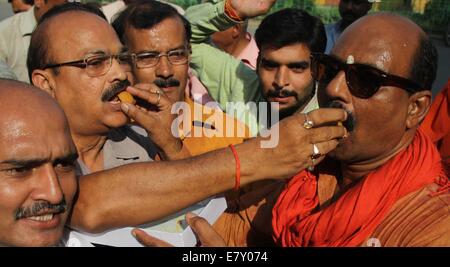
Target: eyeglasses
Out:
[97,65]
[151,59]
[363,80]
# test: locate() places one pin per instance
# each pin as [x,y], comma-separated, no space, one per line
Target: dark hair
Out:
[29,2]
[146,14]
[424,63]
[291,26]
[38,52]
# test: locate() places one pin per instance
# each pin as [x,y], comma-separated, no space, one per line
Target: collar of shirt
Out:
[128,144]
[250,53]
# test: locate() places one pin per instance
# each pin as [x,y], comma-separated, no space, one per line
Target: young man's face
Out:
[285,77]
[37,179]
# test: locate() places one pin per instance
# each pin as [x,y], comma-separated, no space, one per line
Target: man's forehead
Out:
[82,33]
[167,33]
[383,52]
[22,139]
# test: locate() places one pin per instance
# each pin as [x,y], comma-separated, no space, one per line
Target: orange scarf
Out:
[437,123]
[355,215]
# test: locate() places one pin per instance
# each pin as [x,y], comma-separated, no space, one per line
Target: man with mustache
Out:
[350,11]
[285,40]
[37,167]
[384,185]
[76,57]
[158,37]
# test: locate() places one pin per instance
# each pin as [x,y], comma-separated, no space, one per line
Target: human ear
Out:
[44,81]
[419,104]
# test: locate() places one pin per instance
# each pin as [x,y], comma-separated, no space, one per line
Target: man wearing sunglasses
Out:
[76,57]
[384,185]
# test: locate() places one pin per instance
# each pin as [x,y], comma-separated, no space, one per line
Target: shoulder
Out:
[419,219]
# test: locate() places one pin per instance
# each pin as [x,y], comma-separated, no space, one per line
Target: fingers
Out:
[325,116]
[148,240]
[326,133]
[139,115]
[325,147]
[205,232]
[151,94]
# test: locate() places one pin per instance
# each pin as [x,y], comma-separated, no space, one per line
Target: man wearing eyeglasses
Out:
[384,185]
[158,38]
[76,57]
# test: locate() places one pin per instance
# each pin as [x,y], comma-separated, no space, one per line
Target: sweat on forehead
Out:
[382,28]
[381,40]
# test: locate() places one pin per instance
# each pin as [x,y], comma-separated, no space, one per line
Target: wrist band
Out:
[231,12]
[238,168]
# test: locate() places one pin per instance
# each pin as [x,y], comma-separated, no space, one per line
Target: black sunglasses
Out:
[363,80]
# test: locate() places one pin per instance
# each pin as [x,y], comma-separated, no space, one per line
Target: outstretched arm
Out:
[138,193]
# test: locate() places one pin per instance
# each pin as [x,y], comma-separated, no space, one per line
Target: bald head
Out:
[21,101]
[35,146]
[38,52]
[396,44]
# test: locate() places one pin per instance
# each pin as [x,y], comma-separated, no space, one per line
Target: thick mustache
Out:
[349,124]
[162,83]
[39,206]
[114,90]
[281,93]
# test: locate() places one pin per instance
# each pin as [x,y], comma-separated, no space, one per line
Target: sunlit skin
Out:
[36,166]
[286,69]
[164,37]
[79,94]
[385,123]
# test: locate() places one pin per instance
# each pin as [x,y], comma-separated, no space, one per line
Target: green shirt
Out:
[226,78]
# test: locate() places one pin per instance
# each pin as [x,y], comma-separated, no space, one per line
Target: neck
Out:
[90,150]
[237,47]
[351,173]
[37,13]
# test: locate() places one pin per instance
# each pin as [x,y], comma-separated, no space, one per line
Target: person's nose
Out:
[164,69]
[337,89]
[47,186]
[281,79]
[118,71]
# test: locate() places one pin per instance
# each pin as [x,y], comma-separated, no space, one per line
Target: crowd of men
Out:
[354,154]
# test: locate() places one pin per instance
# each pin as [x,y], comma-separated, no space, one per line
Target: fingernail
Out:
[133,232]
[190,215]
[124,107]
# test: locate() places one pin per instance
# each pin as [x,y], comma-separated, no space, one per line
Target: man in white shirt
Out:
[15,35]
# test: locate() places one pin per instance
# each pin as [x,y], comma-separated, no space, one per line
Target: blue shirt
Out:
[333,32]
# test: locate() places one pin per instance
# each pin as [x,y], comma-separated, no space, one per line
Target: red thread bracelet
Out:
[238,168]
